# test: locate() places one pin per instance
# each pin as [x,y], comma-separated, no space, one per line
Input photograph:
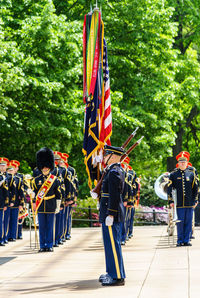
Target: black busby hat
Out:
[45,158]
[113,150]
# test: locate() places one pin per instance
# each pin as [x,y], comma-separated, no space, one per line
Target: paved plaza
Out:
[154,267]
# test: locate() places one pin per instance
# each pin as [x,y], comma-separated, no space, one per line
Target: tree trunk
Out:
[171,161]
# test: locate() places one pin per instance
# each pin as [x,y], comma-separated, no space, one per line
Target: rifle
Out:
[96,190]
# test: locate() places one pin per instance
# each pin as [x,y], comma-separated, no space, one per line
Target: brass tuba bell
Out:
[160,186]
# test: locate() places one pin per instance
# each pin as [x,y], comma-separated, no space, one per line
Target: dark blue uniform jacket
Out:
[111,202]
[186,184]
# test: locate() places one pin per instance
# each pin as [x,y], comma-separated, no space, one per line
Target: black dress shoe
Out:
[63,240]
[188,244]
[2,244]
[179,244]
[42,250]
[192,237]
[20,237]
[60,242]
[6,241]
[56,245]
[50,249]
[11,239]
[114,282]
[103,276]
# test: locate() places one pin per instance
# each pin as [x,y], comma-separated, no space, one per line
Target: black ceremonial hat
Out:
[45,158]
[113,150]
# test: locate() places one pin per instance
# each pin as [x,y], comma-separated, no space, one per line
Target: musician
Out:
[18,203]
[46,188]
[184,181]
[16,165]
[111,214]
[67,176]
[71,198]
[4,196]
[12,197]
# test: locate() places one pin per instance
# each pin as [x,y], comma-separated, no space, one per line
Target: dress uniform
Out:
[125,196]
[185,182]
[12,196]
[71,196]
[71,200]
[131,202]
[59,220]
[48,197]
[18,205]
[4,196]
[111,214]
[16,164]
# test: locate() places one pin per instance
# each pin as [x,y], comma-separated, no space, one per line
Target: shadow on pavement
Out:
[81,285]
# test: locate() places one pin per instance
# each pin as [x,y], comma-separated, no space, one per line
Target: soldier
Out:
[67,176]
[125,197]
[16,163]
[184,181]
[12,196]
[59,222]
[111,214]
[133,180]
[18,204]
[4,196]
[70,201]
[47,193]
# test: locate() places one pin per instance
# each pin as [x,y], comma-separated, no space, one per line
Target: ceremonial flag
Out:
[96,93]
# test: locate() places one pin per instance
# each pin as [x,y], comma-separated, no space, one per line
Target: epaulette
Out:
[38,176]
[174,170]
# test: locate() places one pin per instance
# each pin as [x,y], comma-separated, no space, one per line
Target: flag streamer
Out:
[96,93]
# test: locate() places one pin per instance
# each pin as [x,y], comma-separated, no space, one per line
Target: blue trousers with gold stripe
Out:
[184,227]
[113,251]
[69,220]
[46,223]
[1,226]
[6,223]
[130,224]
[12,233]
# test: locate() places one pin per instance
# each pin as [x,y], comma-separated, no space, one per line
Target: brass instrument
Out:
[160,188]
[30,193]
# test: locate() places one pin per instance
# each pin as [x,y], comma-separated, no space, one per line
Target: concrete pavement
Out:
[154,267]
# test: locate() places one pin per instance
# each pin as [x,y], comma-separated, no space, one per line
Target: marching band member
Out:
[47,192]
[4,196]
[16,164]
[111,215]
[66,174]
[18,203]
[70,201]
[58,171]
[184,181]
[12,195]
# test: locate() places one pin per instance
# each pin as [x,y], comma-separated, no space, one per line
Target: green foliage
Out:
[147,193]
[153,55]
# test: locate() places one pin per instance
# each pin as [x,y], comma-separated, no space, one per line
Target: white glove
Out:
[2,181]
[31,193]
[58,203]
[109,220]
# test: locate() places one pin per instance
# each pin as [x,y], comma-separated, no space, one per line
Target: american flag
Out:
[105,106]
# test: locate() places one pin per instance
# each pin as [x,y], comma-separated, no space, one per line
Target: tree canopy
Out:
[154,62]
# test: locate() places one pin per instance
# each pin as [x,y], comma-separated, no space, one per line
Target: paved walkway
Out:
[154,267]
